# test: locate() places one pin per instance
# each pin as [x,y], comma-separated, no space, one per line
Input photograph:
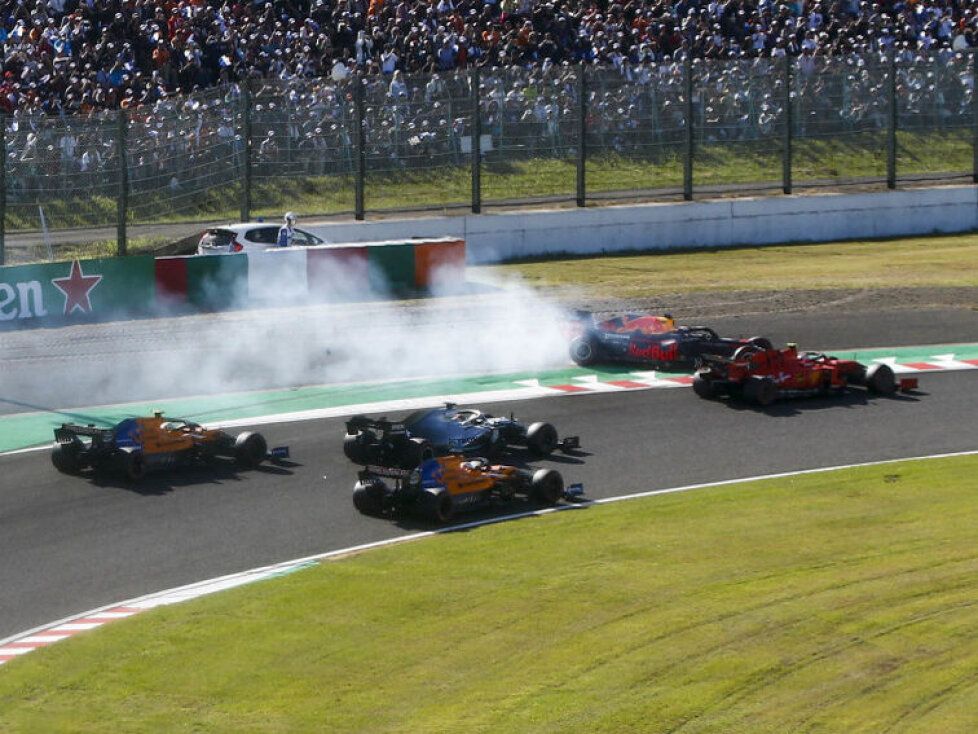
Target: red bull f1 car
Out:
[655,342]
[440,487]
[136,446]
[447,430]
[762,376]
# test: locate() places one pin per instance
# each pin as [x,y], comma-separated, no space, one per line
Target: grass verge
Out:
[893,263]
[839,601]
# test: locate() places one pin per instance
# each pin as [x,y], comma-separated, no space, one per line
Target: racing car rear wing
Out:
[362,422]
[68,432]
[388,472]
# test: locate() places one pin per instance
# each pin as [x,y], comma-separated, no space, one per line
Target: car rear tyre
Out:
[703,387]
[359,447]
[416,451]
[438,506]
[547,486]
[880,379]
[65,457]
[760,390]
[583,351]
[132,465]
[368,497]
[761,342]
[541,439]
[250,449]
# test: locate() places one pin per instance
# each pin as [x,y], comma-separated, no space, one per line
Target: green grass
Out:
[837,602]
[896,263]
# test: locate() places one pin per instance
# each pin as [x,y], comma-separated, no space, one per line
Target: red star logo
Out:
[76,288]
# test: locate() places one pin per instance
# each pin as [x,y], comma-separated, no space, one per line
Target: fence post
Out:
[974,116]
[246,150]
[3,190]
[476,143]
[123,201]
[688,115]
[582,134]
[891,123]
[361,138]
[788,122]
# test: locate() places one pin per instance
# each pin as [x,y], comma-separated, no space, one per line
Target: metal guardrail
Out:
[481,137]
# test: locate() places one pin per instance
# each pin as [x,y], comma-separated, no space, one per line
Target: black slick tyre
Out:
[760,390]
[547,486]
[880,379]
[65,457]
[368,497]
[541,439]
[703,387]
[415,451]
[583,351]
[436,505]
[250,449]
[359,447]
[131,464]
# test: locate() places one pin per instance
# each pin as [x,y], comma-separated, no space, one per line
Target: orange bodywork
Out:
[159,435]
[461,476]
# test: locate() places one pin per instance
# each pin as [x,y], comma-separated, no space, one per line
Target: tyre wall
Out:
[79,291]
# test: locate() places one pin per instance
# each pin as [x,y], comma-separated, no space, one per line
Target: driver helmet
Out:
[290,217]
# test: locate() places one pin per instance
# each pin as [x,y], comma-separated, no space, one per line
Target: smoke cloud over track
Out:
[490,328]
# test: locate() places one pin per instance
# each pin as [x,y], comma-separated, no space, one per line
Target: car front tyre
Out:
[541,439]
[250,449]
[547,486]
[880,379]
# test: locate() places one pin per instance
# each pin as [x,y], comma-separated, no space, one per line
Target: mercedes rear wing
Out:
[364,423]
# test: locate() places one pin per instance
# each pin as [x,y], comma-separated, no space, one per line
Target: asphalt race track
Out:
[70,544]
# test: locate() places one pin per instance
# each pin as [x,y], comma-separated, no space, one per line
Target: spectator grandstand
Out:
[75,56]
[153,104]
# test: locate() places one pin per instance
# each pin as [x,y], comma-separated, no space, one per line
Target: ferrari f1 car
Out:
[440,487]
[652,341]
[136,446]
[447,430]
[762,376]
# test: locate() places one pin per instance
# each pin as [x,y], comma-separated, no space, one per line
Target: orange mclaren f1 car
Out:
[442,486]
[136,446]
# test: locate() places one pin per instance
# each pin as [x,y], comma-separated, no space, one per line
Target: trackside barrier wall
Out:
[491,238]
[73,291]
[79,291]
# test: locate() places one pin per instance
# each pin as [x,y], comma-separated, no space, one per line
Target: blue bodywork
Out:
[462,431]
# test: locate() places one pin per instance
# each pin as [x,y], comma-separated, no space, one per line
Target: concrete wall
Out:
[721,223]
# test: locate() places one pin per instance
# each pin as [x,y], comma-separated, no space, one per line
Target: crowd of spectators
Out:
[175,67]
[75,56]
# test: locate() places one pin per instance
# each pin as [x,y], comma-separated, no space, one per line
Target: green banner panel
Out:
[391,266]
[76,291]
[218,282]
